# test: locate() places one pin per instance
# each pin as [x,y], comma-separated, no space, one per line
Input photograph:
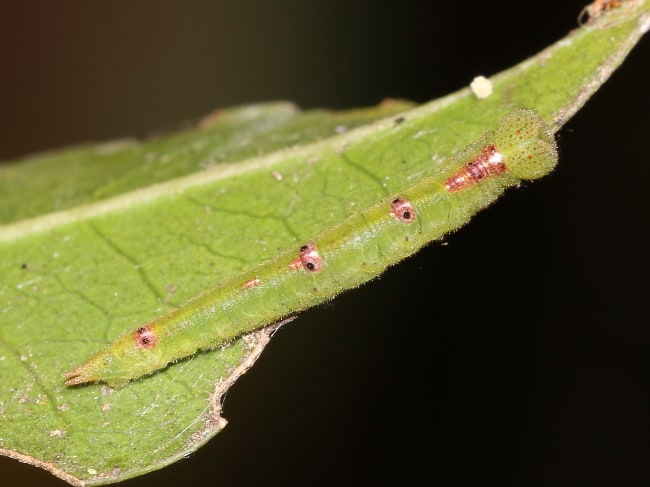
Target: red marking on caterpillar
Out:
[403,210]
[488,163]
[145,338]
[308,259]
[252,283]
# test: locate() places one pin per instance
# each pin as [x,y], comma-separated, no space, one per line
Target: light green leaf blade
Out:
[151,249]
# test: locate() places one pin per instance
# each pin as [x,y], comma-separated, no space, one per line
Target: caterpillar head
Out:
[527,142]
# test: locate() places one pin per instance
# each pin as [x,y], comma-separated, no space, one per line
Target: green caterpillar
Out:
[349,254]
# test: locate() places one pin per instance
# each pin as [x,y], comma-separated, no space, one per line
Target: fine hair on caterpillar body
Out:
[343,257]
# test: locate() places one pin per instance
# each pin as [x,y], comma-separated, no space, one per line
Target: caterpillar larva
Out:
[359,248]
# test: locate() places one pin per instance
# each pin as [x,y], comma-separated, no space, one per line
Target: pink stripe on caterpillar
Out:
[308,259]
[252,283]
[488,163]
[145,337]
[403,210]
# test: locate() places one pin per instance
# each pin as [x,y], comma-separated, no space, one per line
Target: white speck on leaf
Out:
[481,87]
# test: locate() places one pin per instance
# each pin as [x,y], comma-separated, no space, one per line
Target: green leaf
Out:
[134,230]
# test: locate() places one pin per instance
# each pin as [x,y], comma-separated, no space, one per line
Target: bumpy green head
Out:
[526,141]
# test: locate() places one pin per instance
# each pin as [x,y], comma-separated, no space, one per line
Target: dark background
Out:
[515,355]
